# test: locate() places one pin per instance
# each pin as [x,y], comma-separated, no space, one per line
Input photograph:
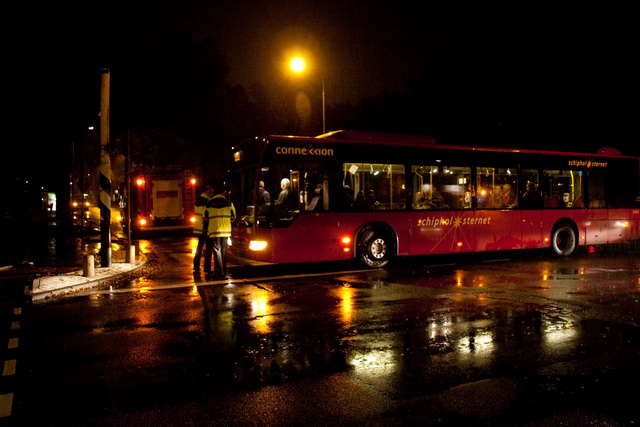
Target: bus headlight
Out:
[257,245]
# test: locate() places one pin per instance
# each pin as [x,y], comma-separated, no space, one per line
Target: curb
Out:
[47,287]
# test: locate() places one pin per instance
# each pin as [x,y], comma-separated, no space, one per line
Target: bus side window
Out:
[562,189]
[455,187]
[621,189]
[496,188]
[382,185]
[440,187]
[428,186]
[552,189]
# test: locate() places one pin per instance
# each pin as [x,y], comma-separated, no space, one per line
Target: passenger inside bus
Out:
[283,204]
[430,201]
[370,202]
[438,200]
[553,201]
[365,201]
[596,202]
[264,199]
[495,198]
[284,198]
[359,203]
[509,199]
[531,198]
[344,198]
[263,195]
[316,203]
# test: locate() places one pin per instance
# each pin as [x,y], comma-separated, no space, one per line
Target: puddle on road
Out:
[253,337]
[402,332]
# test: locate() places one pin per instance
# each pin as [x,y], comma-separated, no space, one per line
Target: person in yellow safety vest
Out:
[221,213]
[200,229]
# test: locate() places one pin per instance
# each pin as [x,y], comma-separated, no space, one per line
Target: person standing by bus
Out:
[200,228]
[221,213]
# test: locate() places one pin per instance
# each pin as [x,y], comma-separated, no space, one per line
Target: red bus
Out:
[163,200]
[377,196]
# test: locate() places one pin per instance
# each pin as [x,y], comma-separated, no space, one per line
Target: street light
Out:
[298,65]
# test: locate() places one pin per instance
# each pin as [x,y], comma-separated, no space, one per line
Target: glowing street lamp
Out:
[298,65]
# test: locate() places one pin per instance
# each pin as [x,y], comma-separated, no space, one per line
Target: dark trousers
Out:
[206,243]
[220,255]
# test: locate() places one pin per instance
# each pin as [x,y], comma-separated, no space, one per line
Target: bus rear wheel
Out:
[374,249]
[564,240]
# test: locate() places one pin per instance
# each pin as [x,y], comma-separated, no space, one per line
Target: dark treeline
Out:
[171,105]
[174,99]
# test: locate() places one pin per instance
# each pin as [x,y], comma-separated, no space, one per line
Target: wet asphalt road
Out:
[509,339]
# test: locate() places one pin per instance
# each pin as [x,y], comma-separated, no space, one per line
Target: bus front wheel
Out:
[374,249]
[564,240]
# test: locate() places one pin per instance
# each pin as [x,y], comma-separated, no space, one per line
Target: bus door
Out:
[307,225]
[442,220]
[530,204]
[623,200]
[597,223]
[497,221]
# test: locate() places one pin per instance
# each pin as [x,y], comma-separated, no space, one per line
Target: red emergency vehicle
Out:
[163,200]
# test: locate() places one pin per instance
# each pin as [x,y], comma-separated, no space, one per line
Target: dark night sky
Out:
[574,64]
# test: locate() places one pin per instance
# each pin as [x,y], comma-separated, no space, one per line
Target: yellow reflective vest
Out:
[221,212]
[200,212]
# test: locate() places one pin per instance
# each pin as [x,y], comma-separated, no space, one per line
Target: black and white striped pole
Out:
[105,174]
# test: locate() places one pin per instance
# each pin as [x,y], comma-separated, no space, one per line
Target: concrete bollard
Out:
[131,254]
[88,266]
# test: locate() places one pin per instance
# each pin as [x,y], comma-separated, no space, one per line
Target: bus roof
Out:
[386,138]
[409,140]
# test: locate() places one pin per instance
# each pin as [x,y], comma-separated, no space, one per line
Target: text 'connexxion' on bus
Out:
[304,151]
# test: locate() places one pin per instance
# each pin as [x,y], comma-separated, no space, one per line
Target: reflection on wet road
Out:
[401,331]
[541,330]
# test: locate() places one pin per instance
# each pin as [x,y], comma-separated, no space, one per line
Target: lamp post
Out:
[298,65]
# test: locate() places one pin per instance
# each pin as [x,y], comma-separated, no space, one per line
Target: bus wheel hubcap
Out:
[378,248]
